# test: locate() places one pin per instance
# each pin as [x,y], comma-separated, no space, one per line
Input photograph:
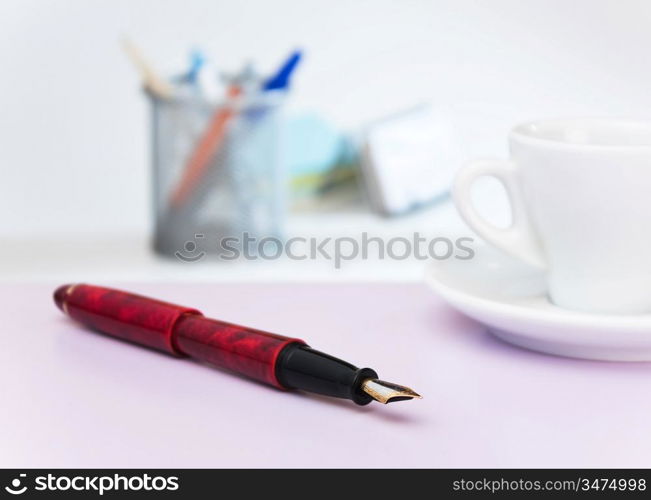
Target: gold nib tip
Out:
[387,392]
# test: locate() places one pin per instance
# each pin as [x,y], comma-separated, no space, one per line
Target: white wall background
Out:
[73,124]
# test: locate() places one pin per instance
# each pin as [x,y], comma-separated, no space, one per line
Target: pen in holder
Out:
[218,173]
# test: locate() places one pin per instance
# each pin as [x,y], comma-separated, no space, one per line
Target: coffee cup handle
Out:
[518,239]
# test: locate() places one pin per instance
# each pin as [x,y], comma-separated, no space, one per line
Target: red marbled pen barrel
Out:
[283,362]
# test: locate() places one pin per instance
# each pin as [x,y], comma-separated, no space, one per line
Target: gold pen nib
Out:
[386,392]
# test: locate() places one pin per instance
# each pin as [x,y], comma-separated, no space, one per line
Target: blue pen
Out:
[197,61]
[280,80]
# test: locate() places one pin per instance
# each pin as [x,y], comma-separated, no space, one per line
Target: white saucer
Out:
[510,299]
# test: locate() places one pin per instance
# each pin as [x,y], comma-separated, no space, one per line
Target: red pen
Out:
[283,362]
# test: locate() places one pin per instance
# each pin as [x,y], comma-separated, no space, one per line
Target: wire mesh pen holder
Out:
[218,175]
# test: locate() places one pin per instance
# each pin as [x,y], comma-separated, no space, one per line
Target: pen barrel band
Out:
[127,316]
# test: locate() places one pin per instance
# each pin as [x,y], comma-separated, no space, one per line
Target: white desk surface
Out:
[99,257]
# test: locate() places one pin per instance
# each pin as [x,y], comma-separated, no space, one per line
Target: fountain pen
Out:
[282,362]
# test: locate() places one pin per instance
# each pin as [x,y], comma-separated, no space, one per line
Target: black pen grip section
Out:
[301,367]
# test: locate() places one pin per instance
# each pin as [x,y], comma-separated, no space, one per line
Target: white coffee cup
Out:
[580,194]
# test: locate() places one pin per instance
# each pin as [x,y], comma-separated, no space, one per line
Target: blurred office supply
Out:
[409,159]
[218,169]
[240,186]
[280,80]
[197,62]
[320,156]
[151,80]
